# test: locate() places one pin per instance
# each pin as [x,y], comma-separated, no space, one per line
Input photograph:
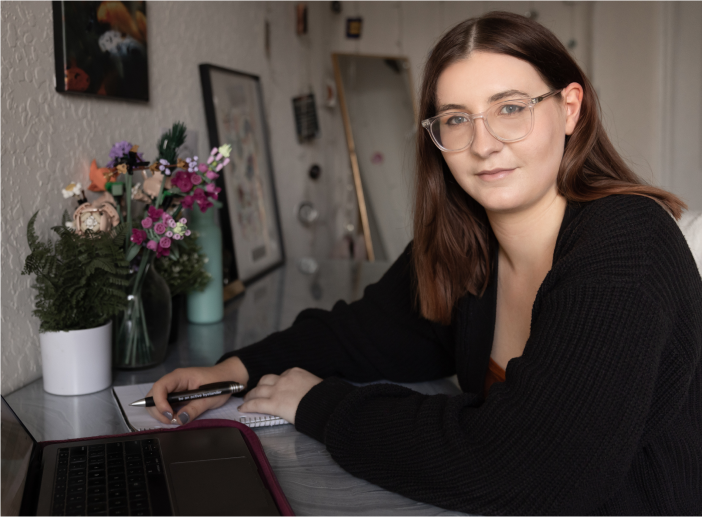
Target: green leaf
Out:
[133,251]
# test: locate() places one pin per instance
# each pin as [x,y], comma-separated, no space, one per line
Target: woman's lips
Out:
[494,174]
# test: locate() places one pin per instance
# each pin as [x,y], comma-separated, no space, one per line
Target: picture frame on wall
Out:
[251,233]
[100,49]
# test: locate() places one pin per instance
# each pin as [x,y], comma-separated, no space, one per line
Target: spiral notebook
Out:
[138,418]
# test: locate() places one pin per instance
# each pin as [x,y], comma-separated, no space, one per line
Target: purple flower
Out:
[177,236]
[155,213]
[212,175]
[171,223]
[187,201]
[165,242]
[202,168]
[204,205]
[160,228]
[152,245]
[119,150]
[147,223]
[169,234]
[182,181]
[183,220]
[162,252]
[194,178]
[138,236]
[187,233]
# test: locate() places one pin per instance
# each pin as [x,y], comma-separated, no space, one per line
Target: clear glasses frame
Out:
[530,103]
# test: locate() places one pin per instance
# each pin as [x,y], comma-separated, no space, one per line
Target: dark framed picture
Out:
[100,49]
[251,236]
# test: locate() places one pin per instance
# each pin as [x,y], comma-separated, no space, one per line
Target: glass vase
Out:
[141,331]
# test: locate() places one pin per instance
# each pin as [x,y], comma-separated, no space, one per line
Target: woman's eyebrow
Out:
[497,97]
[505,94]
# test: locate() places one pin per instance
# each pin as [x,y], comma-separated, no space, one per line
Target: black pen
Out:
[206,390]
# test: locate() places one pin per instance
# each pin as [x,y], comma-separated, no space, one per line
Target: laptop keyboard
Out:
[119,478]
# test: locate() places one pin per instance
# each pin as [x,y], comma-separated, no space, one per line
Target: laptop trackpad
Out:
[226,486]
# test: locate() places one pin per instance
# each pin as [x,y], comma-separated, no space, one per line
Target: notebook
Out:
[138,418]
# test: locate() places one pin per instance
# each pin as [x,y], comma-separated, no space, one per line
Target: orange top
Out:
[494,374]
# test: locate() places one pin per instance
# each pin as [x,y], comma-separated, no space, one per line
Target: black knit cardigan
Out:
[601,414]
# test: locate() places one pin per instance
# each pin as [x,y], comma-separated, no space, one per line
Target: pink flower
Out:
[169,234]
[212,175]
[187,233]
[172,223]
[226,161]
[138,236]
[183,220]
[147,223]
[155,213]
[167,218]
[219,167]
[182,181]
[165,242]
[202,168]
[162,252]
[188,202]
[195,178]
[177,237]
[204,205]
[213,151]
[160,228]
[199,195]
[152,245]
[210,159]
[211,187]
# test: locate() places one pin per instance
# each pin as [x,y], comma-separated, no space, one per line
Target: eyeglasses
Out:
[507,121]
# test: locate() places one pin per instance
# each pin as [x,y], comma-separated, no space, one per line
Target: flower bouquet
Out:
[169,185]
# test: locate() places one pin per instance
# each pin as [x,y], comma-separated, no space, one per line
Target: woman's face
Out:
[530,165]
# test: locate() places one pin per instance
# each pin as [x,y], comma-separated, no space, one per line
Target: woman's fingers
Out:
[195,408]
[268,380]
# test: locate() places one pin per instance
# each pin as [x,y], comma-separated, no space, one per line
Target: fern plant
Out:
[81,280]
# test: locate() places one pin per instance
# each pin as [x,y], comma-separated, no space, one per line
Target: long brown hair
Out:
[451,250]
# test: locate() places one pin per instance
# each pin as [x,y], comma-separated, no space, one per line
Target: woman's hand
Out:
[280,395]
[183,379]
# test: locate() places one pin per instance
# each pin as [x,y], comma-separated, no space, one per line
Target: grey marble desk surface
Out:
[312,481]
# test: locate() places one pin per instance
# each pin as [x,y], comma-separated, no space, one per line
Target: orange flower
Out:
[99,177]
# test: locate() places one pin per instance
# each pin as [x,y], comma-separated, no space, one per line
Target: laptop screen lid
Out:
[17,445]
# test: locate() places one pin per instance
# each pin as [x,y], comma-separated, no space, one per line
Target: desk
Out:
[312,481]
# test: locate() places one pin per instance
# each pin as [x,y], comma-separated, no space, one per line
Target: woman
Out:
[536,249]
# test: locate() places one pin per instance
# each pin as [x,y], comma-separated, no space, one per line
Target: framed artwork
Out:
[251,237]
[100,48]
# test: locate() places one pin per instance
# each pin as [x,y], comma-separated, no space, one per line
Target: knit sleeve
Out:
[380,336]
[557,437]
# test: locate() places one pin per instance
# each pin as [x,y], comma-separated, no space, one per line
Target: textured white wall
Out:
[49,139]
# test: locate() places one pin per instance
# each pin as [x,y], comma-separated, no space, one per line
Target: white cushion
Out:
[691,225]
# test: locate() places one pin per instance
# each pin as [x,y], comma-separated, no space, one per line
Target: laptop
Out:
[189,472]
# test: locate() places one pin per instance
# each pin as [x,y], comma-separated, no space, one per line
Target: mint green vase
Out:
[207,306]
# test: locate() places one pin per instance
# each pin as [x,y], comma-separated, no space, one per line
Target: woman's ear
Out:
[573,97]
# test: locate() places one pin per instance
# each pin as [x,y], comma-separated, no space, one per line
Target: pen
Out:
[206,390]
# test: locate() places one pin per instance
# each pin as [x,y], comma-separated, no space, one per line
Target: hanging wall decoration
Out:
[251,236]
[354,27]
[100,49]
[306,123]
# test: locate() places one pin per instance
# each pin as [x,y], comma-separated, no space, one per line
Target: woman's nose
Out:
[484,144]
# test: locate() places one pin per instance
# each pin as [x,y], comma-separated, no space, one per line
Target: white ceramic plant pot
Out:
[77,362]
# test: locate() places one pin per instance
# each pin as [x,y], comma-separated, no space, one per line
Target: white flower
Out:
[70,225]
[72,189]
[91,223]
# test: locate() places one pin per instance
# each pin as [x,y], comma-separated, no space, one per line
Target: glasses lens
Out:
[510,120]
[452,131]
